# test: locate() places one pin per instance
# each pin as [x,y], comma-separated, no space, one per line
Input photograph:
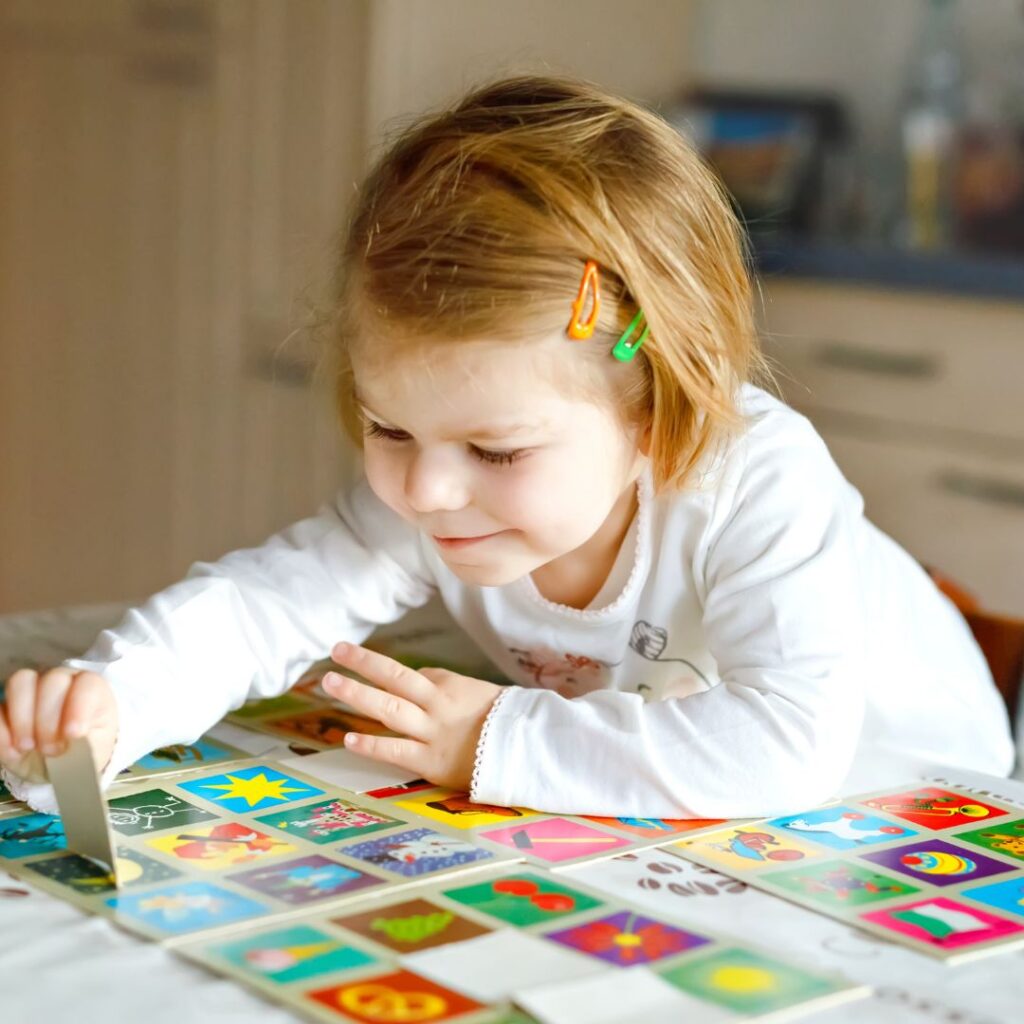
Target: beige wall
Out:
[423,52]
[169,192]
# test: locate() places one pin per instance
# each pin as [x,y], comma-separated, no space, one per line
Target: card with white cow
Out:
[406,902]
[937,869]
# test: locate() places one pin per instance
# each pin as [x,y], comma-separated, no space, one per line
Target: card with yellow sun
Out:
[443,955]
[249,789]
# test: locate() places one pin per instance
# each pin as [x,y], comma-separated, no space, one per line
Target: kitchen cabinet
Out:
[921,400]
[172,175]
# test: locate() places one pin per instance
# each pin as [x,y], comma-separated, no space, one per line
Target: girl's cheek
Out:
[384,475]
[521,499]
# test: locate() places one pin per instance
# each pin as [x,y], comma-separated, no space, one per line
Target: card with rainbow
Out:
[937,868]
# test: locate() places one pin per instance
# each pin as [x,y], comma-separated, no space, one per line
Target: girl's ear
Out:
[644,442]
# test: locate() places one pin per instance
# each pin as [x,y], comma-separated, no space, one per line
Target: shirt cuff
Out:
[492,770]
[484,778]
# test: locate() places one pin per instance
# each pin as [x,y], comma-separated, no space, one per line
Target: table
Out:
[62,967]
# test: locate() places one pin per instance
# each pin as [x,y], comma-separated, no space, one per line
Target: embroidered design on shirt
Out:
[568,674]
[649,642]
[575,674]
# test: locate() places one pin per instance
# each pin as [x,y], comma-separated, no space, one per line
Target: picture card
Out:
[229,845]
[934,868]
[616,996]
[181,758]
[561,841]
[83,809]
[517,937]
[347,770]
[494,967]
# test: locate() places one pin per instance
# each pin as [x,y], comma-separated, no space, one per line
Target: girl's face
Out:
[478,447]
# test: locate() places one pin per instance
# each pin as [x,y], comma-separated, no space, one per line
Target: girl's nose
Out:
[435,481]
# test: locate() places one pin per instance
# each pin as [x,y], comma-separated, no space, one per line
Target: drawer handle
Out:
[989,489]
[840,356]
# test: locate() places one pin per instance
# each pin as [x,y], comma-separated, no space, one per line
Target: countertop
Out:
[957,272]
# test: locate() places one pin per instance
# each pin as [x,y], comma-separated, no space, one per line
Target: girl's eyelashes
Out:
[506,458]
[374,429]
[497,458]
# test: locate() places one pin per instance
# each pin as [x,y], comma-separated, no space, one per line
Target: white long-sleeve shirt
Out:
[758,645]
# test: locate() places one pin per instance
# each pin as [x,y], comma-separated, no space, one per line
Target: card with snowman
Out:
[228,846]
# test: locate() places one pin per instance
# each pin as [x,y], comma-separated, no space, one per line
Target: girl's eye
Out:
[374,429]
[498,458]
[503,458]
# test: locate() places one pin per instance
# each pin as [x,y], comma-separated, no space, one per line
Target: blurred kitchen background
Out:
[173,174]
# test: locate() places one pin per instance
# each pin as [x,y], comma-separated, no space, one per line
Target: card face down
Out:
[83,810]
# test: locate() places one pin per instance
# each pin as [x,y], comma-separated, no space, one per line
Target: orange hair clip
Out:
[581,330]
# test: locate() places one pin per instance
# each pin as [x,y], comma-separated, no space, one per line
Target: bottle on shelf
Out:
[930,126]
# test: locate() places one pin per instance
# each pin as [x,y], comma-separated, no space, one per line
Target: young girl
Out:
[546,347]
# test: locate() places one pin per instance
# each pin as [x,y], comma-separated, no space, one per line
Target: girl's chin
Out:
[491,575]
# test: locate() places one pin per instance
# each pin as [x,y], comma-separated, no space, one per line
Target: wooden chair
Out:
[1000,638]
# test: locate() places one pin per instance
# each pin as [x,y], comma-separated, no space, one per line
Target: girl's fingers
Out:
[392,675]
[7,751]
[84,704]
[398,714]
[51,692]
[401,752]
[20,696]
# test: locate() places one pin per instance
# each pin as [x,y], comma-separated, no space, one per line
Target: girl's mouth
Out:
[450,543]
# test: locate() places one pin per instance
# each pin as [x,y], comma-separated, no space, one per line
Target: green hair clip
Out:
[625,349]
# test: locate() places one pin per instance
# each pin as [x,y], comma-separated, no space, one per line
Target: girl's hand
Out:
[44,711]
[439,711]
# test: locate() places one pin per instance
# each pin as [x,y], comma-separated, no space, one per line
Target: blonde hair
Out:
[476,224]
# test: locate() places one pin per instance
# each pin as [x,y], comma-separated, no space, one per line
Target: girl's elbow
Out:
[808,775]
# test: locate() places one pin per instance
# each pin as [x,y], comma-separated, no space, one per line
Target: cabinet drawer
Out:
[940,362]
[962,514]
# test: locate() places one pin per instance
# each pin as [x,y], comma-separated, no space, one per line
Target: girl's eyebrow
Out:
[494,431]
